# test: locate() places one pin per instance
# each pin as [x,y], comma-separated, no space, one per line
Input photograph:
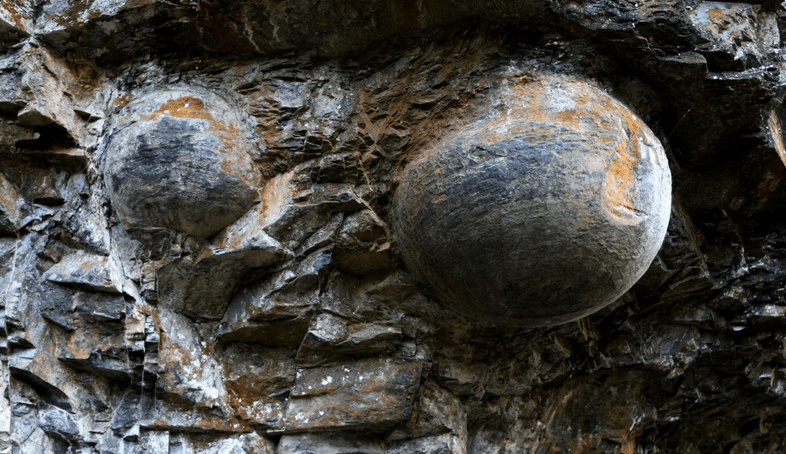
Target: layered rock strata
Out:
[244,286]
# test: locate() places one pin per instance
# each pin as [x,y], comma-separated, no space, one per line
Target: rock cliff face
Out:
[205,237]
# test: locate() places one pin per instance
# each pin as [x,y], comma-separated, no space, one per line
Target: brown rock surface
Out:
[221,304]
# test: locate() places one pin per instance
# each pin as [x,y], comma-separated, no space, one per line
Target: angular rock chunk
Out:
[99,348]
[98,307]
[186,369]
[329,444]
[363,245]
[438,444]
[16,22]
[738,35]
[438,425]
[679,268]
[10,204]
[40,90]
[303,215]
[148,442]
[258,380]
[330,338]
[37,370]
[278,309]
[5,402]
[85,271]
[245,443]
[372,394]
[436,411]
[138,411]
[57,423]
[200,286]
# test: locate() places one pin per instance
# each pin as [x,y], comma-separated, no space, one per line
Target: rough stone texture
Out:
[369,394]
[177,159]
[184,330]
[543,212]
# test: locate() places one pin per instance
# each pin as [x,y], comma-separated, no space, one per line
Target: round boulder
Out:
[544,212]
[179,159]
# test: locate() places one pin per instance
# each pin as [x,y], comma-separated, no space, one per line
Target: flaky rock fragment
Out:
[10,202]
[85,271]
[179,159]
[541,213]
[372,394]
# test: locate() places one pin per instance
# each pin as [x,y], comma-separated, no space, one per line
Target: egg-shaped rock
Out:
[544,212]
[179,159]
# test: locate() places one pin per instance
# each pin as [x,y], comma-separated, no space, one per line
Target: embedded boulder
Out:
[541,213]
[179,159]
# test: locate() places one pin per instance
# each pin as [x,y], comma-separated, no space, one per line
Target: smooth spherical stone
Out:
[544,212]
[179,159]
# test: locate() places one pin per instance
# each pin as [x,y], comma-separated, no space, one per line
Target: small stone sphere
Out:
[542,213]
[179,159]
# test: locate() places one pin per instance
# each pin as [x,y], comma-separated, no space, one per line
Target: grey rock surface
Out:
[178,159]
[542,213]
[200,249]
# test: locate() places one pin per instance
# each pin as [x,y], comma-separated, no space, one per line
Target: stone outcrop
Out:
[205,248]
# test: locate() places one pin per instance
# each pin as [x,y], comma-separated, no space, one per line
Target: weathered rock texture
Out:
[544,212]
[176,159]
[199,253]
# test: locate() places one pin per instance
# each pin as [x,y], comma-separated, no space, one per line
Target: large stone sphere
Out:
[179,159]
[544,212]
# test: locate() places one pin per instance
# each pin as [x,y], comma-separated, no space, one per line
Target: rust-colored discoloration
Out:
[86,266]
[13,14]
[74,13]
[557,161]
[217,181]
[194,108]
[205,423]
[724,19]
[251,377]
[382,391]
[190,107]
[718,16]
[77,8]
[86,74]
[587,112]
[776,132]
[619,189]
[9,199]
[385,107]
[122,100]
[276,195]
[183,368]
[590,110]
[629,447]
